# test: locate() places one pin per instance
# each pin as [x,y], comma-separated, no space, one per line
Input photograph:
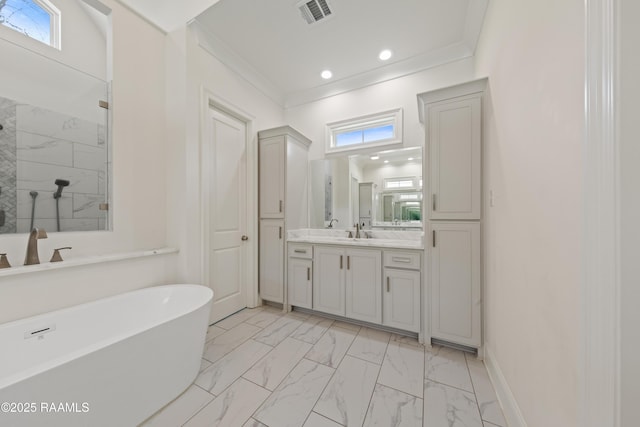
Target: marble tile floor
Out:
[261,367]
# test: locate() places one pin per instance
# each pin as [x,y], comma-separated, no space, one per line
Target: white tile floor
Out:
[263,368]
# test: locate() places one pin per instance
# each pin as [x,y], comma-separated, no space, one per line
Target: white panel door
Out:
[401,299]
[225,188]
[363,287]
[272,177]
[328,280]
[299,282]
[454,140]
[455,282]
[272,260]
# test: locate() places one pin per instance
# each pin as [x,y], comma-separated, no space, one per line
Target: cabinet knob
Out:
[244,238]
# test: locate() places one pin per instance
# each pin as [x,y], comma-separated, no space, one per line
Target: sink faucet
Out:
[32,246]
[357,230]
[331,223]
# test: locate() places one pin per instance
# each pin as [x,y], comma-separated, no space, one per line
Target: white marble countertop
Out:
[378,238]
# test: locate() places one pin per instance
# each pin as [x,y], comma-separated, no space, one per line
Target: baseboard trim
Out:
[507,401]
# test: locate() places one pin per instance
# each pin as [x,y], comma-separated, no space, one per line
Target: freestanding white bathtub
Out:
[111,362]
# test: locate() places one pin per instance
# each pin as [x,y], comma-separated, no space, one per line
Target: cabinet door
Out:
[364,274]
[455,283]
[328,279]
[454,141]
[272,260]
[401,299]
[272,177]
[299,282]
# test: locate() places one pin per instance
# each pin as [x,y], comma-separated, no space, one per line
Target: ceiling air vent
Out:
[314,10]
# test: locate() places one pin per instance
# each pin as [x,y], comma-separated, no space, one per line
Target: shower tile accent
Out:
[8,201]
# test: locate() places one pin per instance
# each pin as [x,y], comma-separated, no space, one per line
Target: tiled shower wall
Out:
[50,146]
[8,165]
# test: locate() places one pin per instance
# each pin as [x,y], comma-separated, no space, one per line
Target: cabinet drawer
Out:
[401,259]
[297,250]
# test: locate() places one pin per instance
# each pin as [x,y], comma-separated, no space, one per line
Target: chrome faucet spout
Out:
[32,246]
[357,230]
[331,222]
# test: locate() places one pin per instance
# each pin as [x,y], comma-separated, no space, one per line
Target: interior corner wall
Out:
[533,54]
[629,157]
[191,70]
[311,118]
[138,205]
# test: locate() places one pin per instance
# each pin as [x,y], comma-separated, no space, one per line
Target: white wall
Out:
[190,71]
[311,118]
[533,131]
[138,194]
[629,91]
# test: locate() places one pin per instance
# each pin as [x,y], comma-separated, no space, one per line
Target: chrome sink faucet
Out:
[331,223]
[357,230]
[32,246]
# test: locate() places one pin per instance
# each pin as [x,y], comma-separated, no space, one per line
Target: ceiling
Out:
[272,46]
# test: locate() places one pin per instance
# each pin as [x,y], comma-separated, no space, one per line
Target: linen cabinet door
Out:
[454,142]
[455,283]
[271,279]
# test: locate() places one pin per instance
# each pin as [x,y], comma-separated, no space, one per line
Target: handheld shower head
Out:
[61,183]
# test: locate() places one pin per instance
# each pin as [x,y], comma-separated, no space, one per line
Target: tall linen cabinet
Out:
[283,203]
[453,132]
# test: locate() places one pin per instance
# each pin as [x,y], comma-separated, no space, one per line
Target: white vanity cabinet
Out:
[347,282]
[401,290]
[299,275]
[283,192]
[455,282]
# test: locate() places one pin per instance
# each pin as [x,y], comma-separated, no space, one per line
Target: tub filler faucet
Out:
[32,246]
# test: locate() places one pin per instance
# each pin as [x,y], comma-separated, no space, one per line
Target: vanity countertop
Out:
[378,239]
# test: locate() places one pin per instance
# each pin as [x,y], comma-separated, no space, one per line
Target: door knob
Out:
[245,238]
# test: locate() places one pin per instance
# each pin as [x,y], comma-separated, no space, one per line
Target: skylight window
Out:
[376,130]
[37,19]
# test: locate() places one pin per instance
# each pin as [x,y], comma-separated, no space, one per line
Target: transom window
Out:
[37,19]
[375,130]
[402,183]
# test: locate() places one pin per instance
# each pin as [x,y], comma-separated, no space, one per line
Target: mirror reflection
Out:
[381,190]
[54,139]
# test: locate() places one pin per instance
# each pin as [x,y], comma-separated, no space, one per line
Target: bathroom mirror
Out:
[380,190]
[54,118]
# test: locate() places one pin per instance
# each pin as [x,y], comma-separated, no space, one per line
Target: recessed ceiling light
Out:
[326,74]
[386,161]
[375,157]
[410,158]
[385,54]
